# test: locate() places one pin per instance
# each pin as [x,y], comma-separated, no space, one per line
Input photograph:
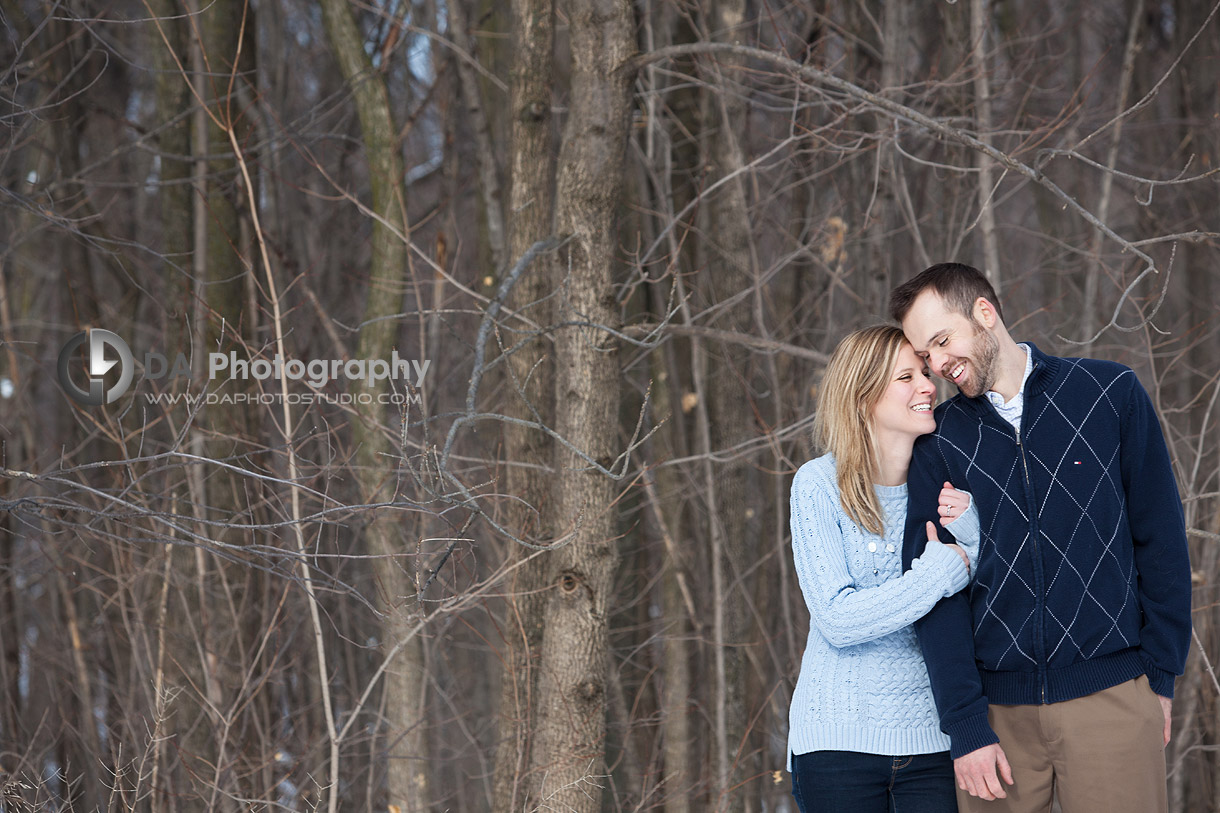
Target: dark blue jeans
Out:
[851,782]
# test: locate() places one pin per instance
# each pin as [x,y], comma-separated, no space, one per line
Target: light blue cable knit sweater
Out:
[863,685]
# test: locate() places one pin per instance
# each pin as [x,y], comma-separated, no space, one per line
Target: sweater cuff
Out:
[970,734]
[946,561]
[965,526]
[1160,680]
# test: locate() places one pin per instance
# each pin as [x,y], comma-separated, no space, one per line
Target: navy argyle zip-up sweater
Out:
[1083,579]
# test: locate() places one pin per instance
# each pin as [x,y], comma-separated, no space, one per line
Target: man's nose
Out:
[936,363]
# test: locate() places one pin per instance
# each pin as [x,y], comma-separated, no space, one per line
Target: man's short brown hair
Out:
[958,286]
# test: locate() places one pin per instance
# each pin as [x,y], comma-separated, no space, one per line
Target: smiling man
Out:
[1054,671]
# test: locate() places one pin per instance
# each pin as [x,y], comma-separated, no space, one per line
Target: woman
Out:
[864,735]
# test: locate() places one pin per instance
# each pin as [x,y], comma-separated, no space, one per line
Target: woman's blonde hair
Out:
[856,378]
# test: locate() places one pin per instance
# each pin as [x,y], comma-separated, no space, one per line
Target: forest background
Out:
[554,573]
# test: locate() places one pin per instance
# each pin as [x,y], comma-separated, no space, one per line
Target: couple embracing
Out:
[998,589]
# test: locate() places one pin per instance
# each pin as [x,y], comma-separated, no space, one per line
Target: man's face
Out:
[956,348]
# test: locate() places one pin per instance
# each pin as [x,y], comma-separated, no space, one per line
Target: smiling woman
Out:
[870,369]
[903,413]
[863,729]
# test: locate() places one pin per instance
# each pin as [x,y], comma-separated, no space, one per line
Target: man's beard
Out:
[983,357]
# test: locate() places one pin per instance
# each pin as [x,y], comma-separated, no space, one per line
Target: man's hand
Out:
[976,772]
[1167,707]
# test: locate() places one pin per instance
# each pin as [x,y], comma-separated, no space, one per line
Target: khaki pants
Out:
[1103,753]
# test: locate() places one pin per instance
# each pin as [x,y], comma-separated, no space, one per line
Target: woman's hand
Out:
[952,503]
[949,545]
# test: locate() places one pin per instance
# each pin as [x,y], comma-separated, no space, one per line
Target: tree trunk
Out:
[569,748]
[484,147]
[174,142]
[657,189]
[221,56]
[979,19]
[531,373]
[1196,93]
[678,773]
[405,682]
[730,272]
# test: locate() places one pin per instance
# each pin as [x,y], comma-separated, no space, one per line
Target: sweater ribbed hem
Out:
[866,740]
[1160,680]
[1066,683]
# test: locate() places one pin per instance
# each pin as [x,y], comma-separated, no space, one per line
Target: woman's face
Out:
[906,406]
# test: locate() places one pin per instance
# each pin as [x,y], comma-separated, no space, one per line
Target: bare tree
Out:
[375,447]
[572,687]
[531,379]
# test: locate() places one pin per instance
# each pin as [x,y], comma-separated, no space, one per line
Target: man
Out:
[1054,671]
